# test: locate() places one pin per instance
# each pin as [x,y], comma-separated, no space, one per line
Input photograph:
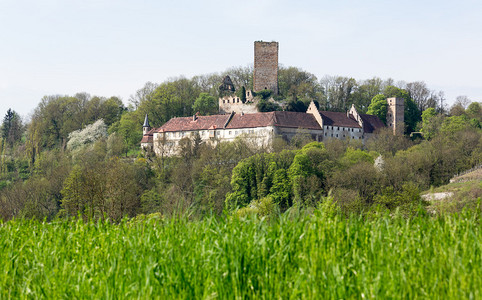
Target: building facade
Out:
[260,128]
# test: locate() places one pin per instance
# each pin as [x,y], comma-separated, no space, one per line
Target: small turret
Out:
[146,127]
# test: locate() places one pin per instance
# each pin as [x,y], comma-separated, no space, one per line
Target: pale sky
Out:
[112,48]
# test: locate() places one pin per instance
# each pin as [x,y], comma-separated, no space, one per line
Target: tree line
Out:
[80,154]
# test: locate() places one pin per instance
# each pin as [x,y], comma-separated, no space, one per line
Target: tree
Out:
[11,127]
[378,107]
[296,84]
[266,105]
[129,129]
[364,93]
[337,92]
[241,93]
[240,76]
[463,101]
[474,110]
[420,94]
[205,104]
[87,136]
[143,94]
[428,121]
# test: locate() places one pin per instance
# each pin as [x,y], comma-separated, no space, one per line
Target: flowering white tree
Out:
[87,136]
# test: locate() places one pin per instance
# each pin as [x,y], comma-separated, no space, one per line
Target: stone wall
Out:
[230,103]
[265,66]
[395,115]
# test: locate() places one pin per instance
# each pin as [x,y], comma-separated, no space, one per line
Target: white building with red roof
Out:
[260,128]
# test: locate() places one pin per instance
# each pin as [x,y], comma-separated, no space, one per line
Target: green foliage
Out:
[98,188]
[266,106]
[264,207]
[241,94]
[298,106]
[298,85]
[264,94]
[287,177]
[129,129]
[407,200]
[205,104]
[322,255]
[411,115]
[474,110]
[378,107]
[354,156]
[57,116]
[428,116]
[11,129]
[170,99]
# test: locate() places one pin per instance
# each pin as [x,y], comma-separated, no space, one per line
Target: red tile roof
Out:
[296,120]
[333,118]
[275,118]
[148,137]
[201,123]
[371,123]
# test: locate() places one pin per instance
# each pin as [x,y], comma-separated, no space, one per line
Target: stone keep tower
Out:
[265,66]
[395,115]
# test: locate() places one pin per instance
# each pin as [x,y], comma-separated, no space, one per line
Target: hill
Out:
[464,191]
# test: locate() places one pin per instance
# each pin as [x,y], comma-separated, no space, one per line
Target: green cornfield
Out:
[309,257]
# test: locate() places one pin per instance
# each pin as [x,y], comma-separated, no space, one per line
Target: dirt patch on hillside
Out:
[437,196]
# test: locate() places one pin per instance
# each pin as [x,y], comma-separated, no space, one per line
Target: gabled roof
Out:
[148,137]
[275,118]
[188,124]
[296,120]
[371,123]
[333,118]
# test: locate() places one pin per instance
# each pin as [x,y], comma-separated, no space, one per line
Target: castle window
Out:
[332,135]
[230,133]
[336,135]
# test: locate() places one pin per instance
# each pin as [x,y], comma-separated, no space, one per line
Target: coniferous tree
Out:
[11,127]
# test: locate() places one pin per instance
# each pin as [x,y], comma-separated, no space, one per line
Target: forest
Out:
[79,155]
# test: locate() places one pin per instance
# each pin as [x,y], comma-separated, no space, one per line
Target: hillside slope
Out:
[464,191]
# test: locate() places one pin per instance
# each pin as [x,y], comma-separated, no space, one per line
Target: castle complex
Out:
[239,117]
